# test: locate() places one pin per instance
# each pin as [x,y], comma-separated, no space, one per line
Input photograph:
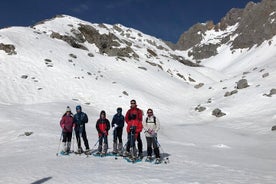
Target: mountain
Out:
[213,92]
[240,29]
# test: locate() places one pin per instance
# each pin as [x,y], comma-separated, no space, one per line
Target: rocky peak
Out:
[254,24]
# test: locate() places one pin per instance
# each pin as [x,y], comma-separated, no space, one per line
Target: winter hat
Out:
[102,112]
[133,101]
[119,109]
[78,107]
[68,109]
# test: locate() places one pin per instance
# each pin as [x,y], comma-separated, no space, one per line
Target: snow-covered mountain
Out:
[216,110]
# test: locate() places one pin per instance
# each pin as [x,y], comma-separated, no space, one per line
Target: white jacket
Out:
[150,127]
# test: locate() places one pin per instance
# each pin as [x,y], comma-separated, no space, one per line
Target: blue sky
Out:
[165,19]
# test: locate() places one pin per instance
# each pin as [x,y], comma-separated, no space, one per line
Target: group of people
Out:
[135,125]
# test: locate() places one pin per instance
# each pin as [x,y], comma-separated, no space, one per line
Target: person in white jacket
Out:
[151,126]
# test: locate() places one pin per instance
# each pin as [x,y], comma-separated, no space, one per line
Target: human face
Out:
[132,104]
[150,113]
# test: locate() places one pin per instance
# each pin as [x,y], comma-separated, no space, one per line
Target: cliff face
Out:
[240,28]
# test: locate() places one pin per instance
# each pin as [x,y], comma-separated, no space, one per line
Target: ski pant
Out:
[103,144]
[84,137]
[152,142]
[66,136]
[117,135]
[131,142]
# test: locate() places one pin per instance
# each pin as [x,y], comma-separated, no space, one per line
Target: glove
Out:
[114,127]
[104,133]
[151,132]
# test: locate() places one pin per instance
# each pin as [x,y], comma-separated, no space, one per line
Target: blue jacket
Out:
[80,119]
[119,120]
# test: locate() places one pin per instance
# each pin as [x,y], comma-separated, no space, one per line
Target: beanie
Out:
[78,107]
[68,109]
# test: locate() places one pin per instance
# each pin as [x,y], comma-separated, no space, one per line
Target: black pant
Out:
[66,136]
[117,134]
[152,142]
[131,142]
[84,137]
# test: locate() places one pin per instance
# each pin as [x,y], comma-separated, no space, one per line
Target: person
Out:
[117,124]
[67,124]
[151,126]
[103,126]
[134,118]
[80,119]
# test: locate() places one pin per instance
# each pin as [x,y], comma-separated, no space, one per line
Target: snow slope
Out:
[236,148]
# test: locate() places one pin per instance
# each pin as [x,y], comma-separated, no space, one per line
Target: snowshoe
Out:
[64,153]
[157,161]
[149,159]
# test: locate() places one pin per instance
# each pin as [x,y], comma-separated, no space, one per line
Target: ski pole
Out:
[59,143]
[73,134]
[92,150]
[163,153]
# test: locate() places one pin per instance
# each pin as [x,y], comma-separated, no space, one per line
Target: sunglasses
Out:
[150,112]
[132,103]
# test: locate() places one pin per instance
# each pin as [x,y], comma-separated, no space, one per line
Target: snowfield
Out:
[201,148]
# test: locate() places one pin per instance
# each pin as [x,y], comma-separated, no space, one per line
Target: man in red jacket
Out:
[134,118]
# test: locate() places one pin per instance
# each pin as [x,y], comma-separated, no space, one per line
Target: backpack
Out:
[154,120]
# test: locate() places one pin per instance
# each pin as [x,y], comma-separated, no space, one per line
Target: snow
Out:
[236,148]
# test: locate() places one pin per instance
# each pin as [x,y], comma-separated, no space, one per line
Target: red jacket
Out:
[102,126]
[66,123]
[134,117]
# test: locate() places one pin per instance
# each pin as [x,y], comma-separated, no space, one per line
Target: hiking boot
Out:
[149,158]
[158,160]
[79,151]
[140,155]
[126,154]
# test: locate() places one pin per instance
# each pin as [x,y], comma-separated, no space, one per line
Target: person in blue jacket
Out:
[80,119]
[117,123]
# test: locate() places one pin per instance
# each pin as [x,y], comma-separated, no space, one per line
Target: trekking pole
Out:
[92,150]
[73,134]
[59,143]
[166,160]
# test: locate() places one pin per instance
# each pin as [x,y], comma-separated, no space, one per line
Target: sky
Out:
[164,19]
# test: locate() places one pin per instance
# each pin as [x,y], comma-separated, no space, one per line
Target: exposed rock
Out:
[230,93]
[272,92]
[107,43]
[193,36]
[184,61]
[152,52]
[199,85]
[181,76]
[242,84]
[204,51]
[191,79]
[143,68]
[218,113]
[273,128]
[256,24]
[125,93]
[24,76]
[70,40]
[200,108]
[265,75]
[8,48]
[154,64]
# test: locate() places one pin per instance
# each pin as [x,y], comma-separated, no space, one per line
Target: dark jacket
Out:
[119,120]
[80,119]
